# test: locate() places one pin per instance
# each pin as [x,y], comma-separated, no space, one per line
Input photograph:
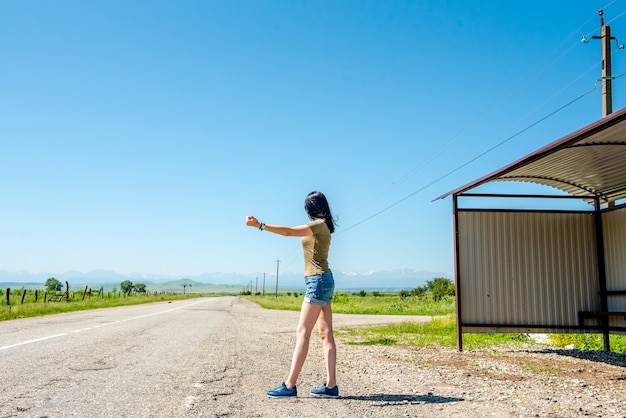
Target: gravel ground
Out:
[442,382]
[396,381]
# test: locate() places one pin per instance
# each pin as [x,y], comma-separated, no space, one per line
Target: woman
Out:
[320,285]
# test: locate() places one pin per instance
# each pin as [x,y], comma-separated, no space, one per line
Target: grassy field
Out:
[373,303]
[36,304]
[441,331]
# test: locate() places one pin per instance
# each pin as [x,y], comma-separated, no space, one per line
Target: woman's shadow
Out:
[393,399]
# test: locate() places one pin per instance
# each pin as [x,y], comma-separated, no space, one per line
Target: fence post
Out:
[36,294]
[23,296]
[8,296]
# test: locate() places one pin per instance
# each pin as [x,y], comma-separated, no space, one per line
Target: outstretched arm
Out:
[288,231]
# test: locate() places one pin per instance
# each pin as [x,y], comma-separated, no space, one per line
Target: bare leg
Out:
[328,341]
[308,317]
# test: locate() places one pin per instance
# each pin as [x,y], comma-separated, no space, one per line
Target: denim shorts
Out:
[319,289]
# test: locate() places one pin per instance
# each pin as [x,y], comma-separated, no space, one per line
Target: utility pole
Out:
[256,285]
[263,283]
[607,74]
[607,78]
[277,264]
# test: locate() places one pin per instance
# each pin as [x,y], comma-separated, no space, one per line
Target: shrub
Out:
[441,287]
[419,291]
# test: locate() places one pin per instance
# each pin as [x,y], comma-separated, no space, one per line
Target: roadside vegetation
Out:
[435,299]
[375,303]
[592,342]
[52,299]
[441,331]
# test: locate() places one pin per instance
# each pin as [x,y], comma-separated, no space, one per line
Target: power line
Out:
[473,159]
[567,86]
[616,17]
[539,68]
[523,81]
[526,79]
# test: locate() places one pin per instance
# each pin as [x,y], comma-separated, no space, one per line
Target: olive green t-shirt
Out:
[315,248]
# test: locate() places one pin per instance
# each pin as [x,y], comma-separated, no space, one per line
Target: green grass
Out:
[353,303]
[441,331]
[592,342]
[32,308]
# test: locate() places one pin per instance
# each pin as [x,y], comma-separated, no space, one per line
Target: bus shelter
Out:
[547,270]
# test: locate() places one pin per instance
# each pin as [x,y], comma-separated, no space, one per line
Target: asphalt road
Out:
[110,362]
[197,357]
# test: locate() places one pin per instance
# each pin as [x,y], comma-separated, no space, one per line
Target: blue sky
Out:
[137,135]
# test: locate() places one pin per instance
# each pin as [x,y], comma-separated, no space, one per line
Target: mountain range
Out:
[380,280]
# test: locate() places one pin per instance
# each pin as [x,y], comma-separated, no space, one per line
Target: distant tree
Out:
[126,286]
[419,291]
[440,287]
[140,288]
[53,285]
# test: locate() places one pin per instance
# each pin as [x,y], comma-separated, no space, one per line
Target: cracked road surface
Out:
[198,357]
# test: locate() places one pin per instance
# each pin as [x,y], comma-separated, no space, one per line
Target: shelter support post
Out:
[457,275]
[604,305]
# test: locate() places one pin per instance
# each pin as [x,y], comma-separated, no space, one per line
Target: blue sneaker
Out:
[324,392]
[283,392]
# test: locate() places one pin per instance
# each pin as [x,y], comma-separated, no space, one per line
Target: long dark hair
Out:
[316,206]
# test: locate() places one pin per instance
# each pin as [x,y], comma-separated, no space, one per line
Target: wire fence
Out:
[12,297]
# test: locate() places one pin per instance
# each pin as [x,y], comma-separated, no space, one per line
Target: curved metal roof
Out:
[588,162]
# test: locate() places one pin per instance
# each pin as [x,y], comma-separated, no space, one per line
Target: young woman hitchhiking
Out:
[320,286]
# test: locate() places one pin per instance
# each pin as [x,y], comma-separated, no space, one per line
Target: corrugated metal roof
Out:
[588,162]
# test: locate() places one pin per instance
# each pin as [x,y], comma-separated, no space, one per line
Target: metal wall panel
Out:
[526,268]
[614,230]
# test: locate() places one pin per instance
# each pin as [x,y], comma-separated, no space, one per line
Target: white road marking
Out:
[97,326]
[32,341]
